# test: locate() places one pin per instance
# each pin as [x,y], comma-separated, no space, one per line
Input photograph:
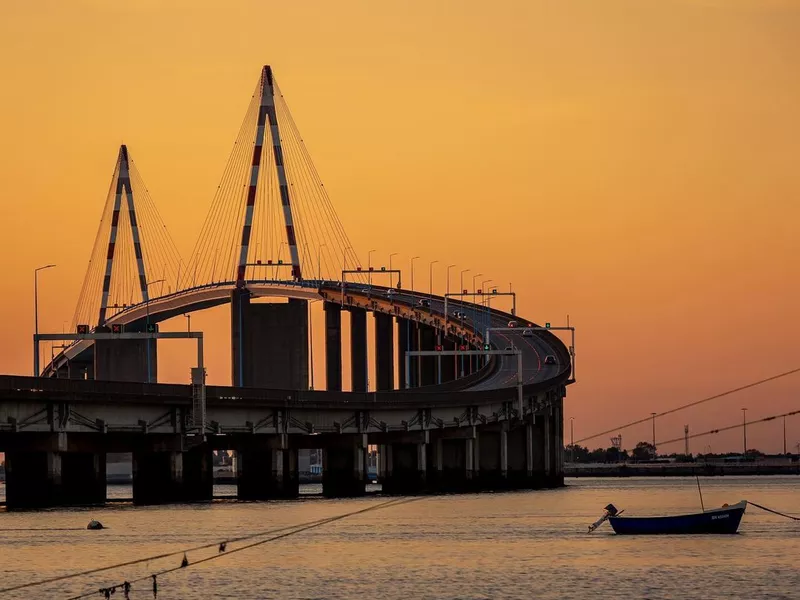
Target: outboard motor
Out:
[610,511]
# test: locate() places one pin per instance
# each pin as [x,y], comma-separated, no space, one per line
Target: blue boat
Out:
[717,520]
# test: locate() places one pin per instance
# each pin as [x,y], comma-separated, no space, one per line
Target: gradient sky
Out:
[632,163]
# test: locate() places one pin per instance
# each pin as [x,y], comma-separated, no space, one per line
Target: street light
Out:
[654,435]
[319,260]
[147,322]
[433,262]
[345,258]
[390,267]
[413,258]
[461,289]
[369,266]
[448,280]
[571,440]
[744,433]
[473,281]
[36,317]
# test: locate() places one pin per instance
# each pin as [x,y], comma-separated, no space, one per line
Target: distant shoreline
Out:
[678,469]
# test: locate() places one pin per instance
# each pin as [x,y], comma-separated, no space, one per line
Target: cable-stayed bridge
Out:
[479,403]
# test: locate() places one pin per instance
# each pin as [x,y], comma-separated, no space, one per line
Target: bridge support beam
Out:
[428,364]
[41,472]
[164,476]
[269,343]
[333,347]
[267,473]
[344,466]
[384,352]
[448,369]
[406,466]
[408,340]
[358,349]
[492,457]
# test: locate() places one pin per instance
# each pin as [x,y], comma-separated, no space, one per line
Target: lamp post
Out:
[319,261]
[571,440]
[744,431]
[473,280]
[433,262]
[784,435]
[345,260]
[390,267]
[413,258]
[36,317]
[654,435]
[147,322]
[369,267]
[461,289]
[447,291]
[188,323]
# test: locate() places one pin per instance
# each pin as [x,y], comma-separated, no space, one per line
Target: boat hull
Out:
[721,520]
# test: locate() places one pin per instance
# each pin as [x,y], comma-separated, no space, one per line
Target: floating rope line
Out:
[222,547]
[775,512]
[295,529]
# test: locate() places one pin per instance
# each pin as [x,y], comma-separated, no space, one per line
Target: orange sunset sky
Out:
[633,163]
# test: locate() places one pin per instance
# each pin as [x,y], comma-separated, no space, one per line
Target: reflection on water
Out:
[503,545]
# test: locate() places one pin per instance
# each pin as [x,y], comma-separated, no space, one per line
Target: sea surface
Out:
[493,545]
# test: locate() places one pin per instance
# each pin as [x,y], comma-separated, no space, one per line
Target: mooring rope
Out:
[775,512]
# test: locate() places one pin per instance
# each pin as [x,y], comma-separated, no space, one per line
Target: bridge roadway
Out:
[377,299]
[463,435]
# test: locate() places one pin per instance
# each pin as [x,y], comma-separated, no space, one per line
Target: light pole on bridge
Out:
[654,434]
[36,317]
[390,267]
[433,262]
[369,267]
[744,432]
[319,261]
[447,290]
[413,258]
[147,323]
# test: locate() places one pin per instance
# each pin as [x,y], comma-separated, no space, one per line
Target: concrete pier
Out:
[358,349]
[269,343]
[169,476]
[42,472]
[384,352]
[267,474]
[344,467]
[333,347]
[125,360]
[428,364]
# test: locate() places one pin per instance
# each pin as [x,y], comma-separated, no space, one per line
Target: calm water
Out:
[509,545]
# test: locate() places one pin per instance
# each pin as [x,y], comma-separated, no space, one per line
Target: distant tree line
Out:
[644,451]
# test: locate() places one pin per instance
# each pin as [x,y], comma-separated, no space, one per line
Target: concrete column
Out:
[504,452]
[529,449]
[384,352]
[333,346]
[83,478]
[548,443]
[33,479]
[344,468]
[427,341]
[402,345]
[125,360]
[448,362]
[358,349]
[269,343]
[198,474]
[409,466]
[267,473]
[157,477]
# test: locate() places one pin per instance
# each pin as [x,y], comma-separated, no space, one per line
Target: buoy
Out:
[94,525]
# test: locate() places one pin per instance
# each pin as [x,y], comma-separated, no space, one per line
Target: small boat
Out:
[716,520]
